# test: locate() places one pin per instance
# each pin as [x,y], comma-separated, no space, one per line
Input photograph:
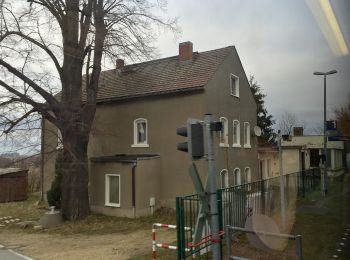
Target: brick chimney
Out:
[119,64]
[298,131]
[185,51]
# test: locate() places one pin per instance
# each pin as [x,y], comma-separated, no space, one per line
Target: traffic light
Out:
[195,143]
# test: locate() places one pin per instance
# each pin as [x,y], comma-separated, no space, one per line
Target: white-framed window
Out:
[224,132]
[237,175]
[234,85]
[59,139]
[236,134]
[112,189]
[140,133]
[224,178]
[247,135]
[247,175]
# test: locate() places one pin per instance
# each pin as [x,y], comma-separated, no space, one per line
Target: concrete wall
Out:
[147,183]
[220,102]
[290,159]
[97,188]
[272,157]
[113,134]
[312,141]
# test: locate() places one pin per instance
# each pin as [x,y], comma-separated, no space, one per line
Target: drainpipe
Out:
[133,190]
[42,160]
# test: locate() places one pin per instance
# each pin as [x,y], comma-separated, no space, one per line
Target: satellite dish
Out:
[257,130]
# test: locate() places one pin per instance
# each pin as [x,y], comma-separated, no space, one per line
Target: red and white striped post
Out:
[163,245]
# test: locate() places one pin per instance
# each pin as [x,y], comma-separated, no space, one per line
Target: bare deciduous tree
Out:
[342,114]
[289,120]
[73,37]
[286,122]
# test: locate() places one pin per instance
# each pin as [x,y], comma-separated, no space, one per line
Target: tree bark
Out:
[74,186]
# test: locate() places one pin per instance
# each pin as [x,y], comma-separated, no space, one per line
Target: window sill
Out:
[247,146]
[223,145]
[236,145]
[236,96]
[112,205]
[140,145]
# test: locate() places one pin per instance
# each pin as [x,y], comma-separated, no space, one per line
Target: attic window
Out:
[140,133]
[234,84]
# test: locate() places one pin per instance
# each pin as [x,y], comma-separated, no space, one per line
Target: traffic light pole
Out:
[212,188]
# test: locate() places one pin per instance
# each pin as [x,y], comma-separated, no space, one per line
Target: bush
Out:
[54,194]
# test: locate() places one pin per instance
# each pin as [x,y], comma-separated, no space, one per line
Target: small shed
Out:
[13,184]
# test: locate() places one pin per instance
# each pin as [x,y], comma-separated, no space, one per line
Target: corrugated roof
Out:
[160,76]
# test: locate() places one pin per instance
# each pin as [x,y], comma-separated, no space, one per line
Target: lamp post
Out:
[325,184]
[283,208]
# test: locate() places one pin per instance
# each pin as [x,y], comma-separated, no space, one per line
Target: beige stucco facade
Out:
[165,176]
[297,154]
[140,181]
[268,162]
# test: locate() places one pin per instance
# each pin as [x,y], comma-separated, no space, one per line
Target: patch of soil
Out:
[109,246]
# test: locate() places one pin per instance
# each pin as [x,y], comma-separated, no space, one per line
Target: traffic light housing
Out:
[195,142]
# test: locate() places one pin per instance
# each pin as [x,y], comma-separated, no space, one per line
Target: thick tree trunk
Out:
[74,186]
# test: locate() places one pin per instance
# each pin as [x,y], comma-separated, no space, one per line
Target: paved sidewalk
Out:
[9,254]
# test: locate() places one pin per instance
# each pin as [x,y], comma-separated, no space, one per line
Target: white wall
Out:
[312,141]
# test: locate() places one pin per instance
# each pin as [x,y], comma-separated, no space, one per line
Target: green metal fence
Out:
[236,203]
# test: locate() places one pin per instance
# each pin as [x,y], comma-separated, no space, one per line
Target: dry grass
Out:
[95,224]
[24,210]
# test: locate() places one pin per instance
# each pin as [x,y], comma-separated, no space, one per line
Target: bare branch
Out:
[14,123]
[47,96]
[42,46]
[37,106]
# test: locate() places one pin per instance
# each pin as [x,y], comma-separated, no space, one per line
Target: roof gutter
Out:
[150,94]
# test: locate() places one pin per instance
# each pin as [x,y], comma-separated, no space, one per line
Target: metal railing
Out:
[236,203]
[232,231]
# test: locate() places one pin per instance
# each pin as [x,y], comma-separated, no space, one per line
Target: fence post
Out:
[262,184]
[180,229]
[228,241]
[303,183]
[220,213]
[299,247]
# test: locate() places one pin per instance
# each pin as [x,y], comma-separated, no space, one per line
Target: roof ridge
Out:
[169,58]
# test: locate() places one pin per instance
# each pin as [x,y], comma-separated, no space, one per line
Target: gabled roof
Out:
[162,76]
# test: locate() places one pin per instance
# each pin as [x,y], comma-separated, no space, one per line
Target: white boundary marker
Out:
[15,253]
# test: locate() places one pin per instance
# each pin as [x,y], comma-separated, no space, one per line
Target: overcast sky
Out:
[279,42]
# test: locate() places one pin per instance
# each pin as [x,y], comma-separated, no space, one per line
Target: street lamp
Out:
[324,74]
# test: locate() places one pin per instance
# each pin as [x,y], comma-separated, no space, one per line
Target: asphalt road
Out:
[8,254]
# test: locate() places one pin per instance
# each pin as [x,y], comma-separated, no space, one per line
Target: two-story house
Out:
[134,164]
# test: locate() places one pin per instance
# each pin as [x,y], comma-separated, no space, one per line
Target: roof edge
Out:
[151,94]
